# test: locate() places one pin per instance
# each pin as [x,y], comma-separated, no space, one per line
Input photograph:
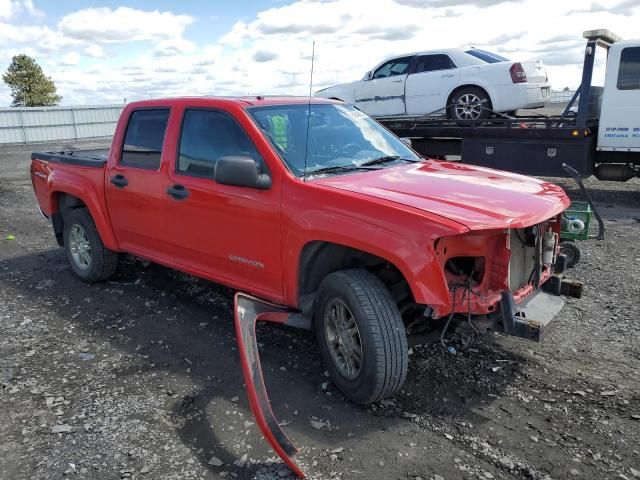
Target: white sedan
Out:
[462,84]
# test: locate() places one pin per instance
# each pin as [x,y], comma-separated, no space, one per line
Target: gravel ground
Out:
[139,377]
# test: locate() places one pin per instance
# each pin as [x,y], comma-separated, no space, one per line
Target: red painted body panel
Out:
[480,198]
[253,239]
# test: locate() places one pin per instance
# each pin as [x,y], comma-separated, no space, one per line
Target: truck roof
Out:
[242,101]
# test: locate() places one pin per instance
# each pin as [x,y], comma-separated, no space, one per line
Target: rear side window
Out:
[429,63]
[486,56]
[207,136]
[144,137]
[629,73]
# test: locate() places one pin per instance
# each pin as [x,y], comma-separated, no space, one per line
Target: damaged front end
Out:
[507,280]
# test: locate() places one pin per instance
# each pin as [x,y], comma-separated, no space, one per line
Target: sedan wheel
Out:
[468,107]
[469,104]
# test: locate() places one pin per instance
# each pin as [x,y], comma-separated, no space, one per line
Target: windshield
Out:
[339,136]
[486,56]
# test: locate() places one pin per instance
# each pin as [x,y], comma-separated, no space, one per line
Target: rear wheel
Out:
[88,257]
[361,336]
[469,103]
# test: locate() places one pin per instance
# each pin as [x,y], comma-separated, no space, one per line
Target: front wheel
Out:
[362,339]
[88,257]
[469,104]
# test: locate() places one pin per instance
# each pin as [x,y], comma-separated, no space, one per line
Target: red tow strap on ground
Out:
[247,312]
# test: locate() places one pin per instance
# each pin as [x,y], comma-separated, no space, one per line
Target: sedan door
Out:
[383,94]
[431,80]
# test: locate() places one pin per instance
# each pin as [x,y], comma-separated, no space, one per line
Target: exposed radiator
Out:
[522,260]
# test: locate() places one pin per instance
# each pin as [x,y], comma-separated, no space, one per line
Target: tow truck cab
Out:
[619,129]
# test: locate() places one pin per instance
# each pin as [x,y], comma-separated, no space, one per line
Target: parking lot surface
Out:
[139,377]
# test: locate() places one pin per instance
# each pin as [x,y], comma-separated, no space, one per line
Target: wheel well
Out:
[64,203]
[319,259]
[457,89]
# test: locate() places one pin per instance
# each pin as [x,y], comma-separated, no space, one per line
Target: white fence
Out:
[561,96]
[46,124]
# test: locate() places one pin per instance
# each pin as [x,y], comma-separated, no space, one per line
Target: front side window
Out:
[397,66]
[144,138]
[207,136]
[429,63]
[629,73]
[338,136]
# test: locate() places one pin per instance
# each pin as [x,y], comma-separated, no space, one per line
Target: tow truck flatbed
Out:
[536,144]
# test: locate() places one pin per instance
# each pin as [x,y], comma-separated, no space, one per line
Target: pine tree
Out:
[30,87]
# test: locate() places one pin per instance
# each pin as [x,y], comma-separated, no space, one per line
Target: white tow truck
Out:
[598,133]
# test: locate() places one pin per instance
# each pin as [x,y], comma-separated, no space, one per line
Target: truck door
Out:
[225,233]
[620,113]
[133,186]
[383,93]
[427,87]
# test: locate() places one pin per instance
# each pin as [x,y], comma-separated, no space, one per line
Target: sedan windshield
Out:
[336,139]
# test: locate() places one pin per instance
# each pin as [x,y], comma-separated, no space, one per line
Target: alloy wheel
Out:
[80,247]
[343,338]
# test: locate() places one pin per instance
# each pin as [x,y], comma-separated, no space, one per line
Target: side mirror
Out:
[368,75]
[407,141]
[241,171]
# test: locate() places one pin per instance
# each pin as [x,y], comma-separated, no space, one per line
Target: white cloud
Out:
[174,46]
[95,51]
[11,8]
[264,56]
[29,7]
[271,52]
[7,9]
[71,58]
[124,24]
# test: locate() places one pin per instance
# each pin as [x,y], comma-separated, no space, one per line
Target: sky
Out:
[102,52]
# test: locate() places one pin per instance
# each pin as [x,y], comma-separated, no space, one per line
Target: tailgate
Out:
[535,71]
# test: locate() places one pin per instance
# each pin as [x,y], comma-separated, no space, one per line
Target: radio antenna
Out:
[306,142]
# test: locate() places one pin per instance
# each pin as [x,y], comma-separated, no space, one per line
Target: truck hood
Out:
[479,198]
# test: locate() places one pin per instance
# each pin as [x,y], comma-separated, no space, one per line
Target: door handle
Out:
[447,75]
[178,192]
[396,81]
[119,181]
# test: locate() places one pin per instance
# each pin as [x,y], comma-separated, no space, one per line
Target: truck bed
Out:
[83,158]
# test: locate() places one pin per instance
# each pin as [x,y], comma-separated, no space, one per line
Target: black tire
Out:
[383,338]
[572,252]
[102,262]
[459,96]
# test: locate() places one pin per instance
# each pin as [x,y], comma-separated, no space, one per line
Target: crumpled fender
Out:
[247,312]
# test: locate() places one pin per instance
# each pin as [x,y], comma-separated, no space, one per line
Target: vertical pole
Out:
[585,85]
[75,128]
[24,130]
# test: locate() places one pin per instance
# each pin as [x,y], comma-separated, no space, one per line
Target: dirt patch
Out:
[139,377]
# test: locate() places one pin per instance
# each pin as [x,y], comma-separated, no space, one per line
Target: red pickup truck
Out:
[315,207]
